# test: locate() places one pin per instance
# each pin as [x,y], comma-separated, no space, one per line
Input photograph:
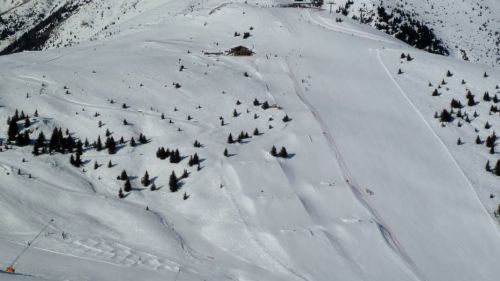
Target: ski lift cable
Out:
[31,242]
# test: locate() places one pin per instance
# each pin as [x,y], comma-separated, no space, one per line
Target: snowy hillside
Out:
[469,30]
[6,5]
[373,185]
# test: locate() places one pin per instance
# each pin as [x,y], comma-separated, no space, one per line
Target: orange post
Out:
[10,269]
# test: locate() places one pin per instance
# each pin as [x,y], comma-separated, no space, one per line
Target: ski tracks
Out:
[391,240]
[441,142]
[321,22]
[251,232]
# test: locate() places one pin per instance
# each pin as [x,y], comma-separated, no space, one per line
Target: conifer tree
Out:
[123,175]
[127,187]
[79,147]
[13,130]
[54,142]
[36,150]
[173,182]
[120,194]
[256,132]
[283,152]
[98,146]
[78,160]
[110,164]
[455,103]
[27,122]
[194,160]
[446,116]
[175,156]
[265,105]
[145,180]
[96,165]
[69,143]
[111,145]
[256,102]
[478,140]
[160,153]
[497,168]
[488,167]
[226,153]
[274,152]
[486,96]
[230,139]
[471,101]
[197,144]
[153,187]
[132,142]
[489,141]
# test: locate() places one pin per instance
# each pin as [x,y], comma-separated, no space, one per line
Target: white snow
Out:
[375,189]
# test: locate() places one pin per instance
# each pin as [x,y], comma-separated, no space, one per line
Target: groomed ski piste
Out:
[374,188]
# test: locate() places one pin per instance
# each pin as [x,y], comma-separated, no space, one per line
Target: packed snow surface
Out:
[375,188]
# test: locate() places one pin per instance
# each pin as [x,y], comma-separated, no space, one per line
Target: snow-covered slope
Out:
[468,29]
[6,5]
[374,188]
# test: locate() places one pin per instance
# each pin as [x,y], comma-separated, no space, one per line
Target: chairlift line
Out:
[10,268]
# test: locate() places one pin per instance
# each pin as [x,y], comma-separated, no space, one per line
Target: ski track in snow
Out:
[15,7]
[389,237]
[322,22]
[331,240]
[441,142]
[249,227]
